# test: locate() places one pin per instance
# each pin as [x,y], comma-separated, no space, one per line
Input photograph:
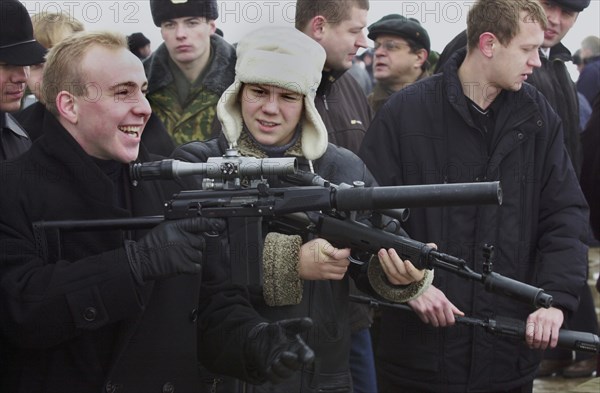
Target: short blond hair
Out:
[335,11]
[51,28]
[63,70]
[501,18]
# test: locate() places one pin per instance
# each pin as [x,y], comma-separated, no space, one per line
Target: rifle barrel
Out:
[428,195]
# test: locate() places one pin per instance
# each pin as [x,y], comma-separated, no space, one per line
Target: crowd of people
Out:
[87,308]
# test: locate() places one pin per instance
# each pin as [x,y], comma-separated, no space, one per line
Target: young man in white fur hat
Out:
[269,111]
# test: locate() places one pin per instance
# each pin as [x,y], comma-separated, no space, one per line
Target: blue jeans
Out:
[362,363]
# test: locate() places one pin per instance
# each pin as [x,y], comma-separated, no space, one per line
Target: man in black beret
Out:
[402,48]
[554,81]
[192,68]
[18,50]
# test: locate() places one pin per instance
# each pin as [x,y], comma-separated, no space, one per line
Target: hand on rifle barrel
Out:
[434,308]
[398,271]
[541,330]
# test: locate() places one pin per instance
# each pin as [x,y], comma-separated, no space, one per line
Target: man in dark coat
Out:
[89,310]
[590,178]
[339,100]
[337,25]
[554,81]
[590,174]
[479,121]
[588,83]
[18,50]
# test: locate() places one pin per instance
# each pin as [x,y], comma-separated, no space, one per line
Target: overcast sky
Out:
[442,19]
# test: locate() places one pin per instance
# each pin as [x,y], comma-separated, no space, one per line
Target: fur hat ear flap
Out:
[229,112]
[314,133]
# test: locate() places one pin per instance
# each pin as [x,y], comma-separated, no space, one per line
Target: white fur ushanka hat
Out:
[282,57]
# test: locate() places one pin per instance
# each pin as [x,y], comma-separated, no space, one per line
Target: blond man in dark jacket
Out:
[480,121]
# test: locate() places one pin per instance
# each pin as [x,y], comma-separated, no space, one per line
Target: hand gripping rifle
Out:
[235,187]
[348,233]
[506,327]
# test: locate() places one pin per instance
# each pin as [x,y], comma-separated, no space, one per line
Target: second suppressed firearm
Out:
[348,233]
[506,327]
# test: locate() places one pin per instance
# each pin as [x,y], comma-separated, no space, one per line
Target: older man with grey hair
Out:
[588,83]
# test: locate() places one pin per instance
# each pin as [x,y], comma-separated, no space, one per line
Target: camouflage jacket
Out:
[194,120]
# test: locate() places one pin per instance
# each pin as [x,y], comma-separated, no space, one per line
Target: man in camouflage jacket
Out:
[188,72]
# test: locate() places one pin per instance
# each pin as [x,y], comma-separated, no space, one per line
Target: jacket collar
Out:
[560,52]
[327,80]
[9,122]
[452,87]
[591,60]
[69,159]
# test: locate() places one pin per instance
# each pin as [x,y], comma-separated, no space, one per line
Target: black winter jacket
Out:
[553,80]
[326,302]
[590,172]
[75,319]
[344,109]
[427,136]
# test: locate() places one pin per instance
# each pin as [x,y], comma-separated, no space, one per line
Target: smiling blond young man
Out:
[88,310]
[479,120]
